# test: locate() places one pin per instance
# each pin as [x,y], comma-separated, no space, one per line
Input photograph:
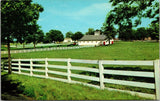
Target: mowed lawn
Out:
[117,51]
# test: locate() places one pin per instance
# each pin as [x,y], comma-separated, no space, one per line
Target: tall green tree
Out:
[78,35]
[141,33]
[45,39]
[35,37]
[109,31]
[153,31]
[90,31]
[17,19]
[33,27]
[69,34]
[54,35]
[126,10]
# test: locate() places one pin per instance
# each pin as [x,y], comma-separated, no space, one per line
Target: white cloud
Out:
[92,14]
[99,8]
[92,10]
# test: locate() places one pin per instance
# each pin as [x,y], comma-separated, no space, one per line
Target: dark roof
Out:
[93,38]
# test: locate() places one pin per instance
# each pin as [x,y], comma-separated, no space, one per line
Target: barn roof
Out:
[93,38]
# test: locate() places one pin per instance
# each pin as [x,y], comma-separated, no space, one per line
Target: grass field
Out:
[31,88]
[117,51]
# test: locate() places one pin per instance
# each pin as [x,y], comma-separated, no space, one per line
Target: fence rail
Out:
[44,49]
[101,71]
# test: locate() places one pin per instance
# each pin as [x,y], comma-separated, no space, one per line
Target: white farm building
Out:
[68,40]
[96,39]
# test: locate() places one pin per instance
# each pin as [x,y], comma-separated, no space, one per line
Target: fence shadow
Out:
[122,77]
[11,89]
[129,68]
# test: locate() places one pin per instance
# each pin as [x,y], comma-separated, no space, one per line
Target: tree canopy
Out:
[18,17]
[90,31]
[35,37]
[126,10]
[108,30]
[69,34]
[78,35]
[153,31]
[54,35]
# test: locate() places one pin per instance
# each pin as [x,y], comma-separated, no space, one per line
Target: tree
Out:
[125,32]
[54,35]
[36,37]
[109,31]
[90,31]
[45,40]
[141,33]
[126,10]
[69,34]
[33,27]
[153,31]
[17,19]
[78,35]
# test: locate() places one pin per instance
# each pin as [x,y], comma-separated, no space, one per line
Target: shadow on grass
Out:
[4,58]
[12,89]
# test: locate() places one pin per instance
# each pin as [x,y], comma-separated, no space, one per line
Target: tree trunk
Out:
[9,58]
[157,40]
[109,41]
[23,45]
[34,45]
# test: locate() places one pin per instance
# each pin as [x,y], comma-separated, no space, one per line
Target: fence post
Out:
[101,76]
[31,67]
[46,67]
[157,78]
[19,66]
[68,70]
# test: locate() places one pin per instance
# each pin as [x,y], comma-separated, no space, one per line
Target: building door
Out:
[111,42]
[104,42]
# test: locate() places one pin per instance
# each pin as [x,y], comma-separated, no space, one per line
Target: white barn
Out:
[68,40]
[96,39]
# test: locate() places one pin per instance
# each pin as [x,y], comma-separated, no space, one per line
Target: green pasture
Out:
[32,88]
[117,51]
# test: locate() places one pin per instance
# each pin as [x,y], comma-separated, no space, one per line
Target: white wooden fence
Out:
[101,71]
[44,49]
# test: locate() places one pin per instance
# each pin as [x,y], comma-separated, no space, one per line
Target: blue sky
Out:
[74,15]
